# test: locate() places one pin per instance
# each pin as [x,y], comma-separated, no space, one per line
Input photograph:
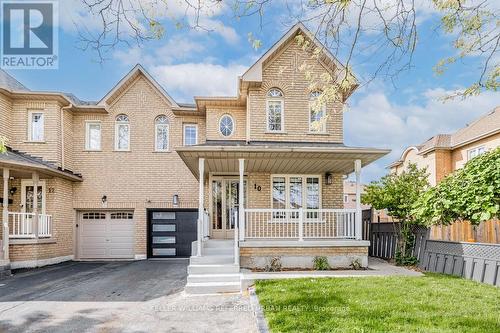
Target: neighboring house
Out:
[137,175]
[444,153]
[350,202]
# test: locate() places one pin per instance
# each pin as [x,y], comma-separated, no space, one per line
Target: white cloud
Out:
[199,79]
[374,121]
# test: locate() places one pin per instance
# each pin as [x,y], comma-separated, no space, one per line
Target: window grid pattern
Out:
[162,133]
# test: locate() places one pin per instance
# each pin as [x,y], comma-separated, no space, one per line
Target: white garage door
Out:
[106,235]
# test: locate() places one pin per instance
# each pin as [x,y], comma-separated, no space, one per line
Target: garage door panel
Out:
[171,232]
[106,237]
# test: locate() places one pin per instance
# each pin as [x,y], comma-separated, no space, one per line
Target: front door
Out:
[225,205]
[27,193]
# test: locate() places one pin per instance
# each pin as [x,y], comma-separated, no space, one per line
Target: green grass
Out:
[433,303]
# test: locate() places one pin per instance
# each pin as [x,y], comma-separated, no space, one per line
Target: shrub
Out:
[321,263]
[274,265]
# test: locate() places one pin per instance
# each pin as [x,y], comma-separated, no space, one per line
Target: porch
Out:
[292,193]
[29,199]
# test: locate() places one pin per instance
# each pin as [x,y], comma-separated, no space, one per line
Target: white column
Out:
[201,203]
[5,214]
[358,224]
[241,199]
[35,177]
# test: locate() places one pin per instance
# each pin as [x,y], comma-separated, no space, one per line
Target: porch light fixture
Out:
[328,178]
[13,190]
[104,199]
[175,200]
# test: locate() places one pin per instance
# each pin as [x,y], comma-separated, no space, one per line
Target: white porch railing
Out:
[300,223]
[22,225]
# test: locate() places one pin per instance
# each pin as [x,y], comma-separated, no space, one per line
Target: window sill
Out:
[121,151]
[162,151]
[276,132]
[319,133]
[92,150]
[27,241]
[28,141]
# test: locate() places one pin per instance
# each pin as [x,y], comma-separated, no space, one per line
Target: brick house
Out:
[444,153]
[137,175]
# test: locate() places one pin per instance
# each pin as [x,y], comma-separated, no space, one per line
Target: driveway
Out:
[140,296]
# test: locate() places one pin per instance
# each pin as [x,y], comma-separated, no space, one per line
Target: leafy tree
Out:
[397,194]
[3,142]
[383,33]
[471,193]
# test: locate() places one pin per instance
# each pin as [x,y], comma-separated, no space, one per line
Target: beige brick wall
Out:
[140,177]
[214,114]
[302,251]
[5,116]
[282,72]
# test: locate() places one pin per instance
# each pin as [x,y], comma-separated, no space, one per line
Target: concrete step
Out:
[210,278]
[213,269]
[211,243]
[211,259]
[217,251]
[213,287]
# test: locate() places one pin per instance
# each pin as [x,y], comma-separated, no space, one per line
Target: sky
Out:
[188,62]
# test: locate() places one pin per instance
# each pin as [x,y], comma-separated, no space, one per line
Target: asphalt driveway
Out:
[140,296]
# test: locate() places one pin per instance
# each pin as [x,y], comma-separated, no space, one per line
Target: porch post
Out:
[35,177]
[201,202]
[5,214]
[241,199]
[358,224]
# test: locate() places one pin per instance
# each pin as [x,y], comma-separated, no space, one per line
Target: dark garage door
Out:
[171,232]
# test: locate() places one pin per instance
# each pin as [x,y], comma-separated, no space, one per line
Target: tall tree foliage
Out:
[382,33]
[398,194]
[471,193]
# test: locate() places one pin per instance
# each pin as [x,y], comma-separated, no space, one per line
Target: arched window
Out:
[122,132]
[274,110]
[317,113]
[226,125]
[161,130]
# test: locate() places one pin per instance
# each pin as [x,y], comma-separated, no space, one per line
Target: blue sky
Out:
[192,63]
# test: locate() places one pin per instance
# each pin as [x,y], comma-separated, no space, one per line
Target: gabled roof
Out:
[487,125]
[10,83]
[254,73]
[132,75]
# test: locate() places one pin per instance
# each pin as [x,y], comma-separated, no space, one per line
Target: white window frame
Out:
[118,124]
[281,100]
[167,125]
[475,150]
[304,192]
[234,125]
[88,123]
[196,135]
[28,182]
[30,125]
[323,123]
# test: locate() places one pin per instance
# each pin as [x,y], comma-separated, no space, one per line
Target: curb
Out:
[258,313]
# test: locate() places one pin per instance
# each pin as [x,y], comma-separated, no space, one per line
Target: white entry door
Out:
[106,235]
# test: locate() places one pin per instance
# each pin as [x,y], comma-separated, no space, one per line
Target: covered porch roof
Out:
[22,165]
[277,157]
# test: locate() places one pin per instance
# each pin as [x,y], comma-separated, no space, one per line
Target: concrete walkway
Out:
[376,267]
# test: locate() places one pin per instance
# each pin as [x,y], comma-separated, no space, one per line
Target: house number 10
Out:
[257,187]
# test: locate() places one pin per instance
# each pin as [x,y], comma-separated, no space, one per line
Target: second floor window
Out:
[161,130]
[93,136]
[122,133]
[190,134]
[226,125]
[36,126]
[317,113]
[274,110]
[475,152]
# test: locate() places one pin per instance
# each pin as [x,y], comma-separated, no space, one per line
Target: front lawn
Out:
[433,303]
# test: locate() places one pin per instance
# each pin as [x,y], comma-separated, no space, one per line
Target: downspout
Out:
[62,132]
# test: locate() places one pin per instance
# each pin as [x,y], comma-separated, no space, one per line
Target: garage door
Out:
[171,232]
[106,235]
